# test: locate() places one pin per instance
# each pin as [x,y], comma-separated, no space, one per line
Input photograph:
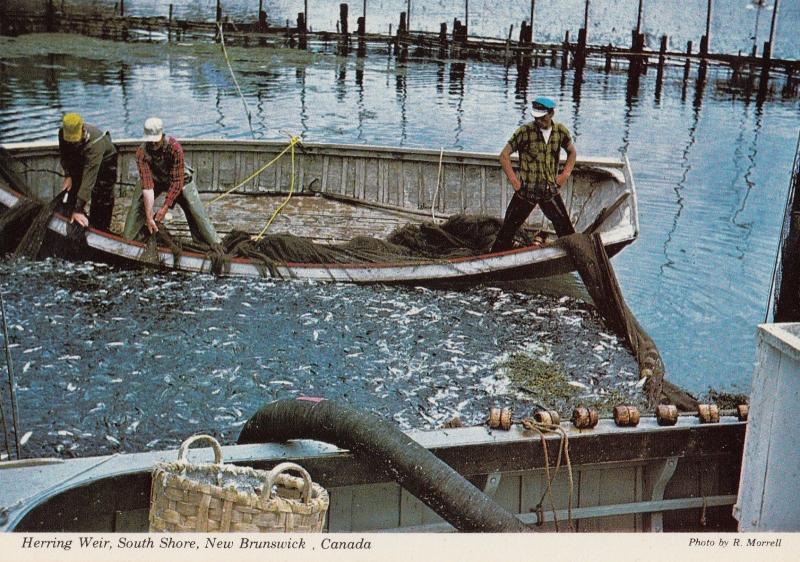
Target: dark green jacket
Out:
[82,161]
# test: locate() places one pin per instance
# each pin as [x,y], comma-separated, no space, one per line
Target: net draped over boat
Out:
[458,236]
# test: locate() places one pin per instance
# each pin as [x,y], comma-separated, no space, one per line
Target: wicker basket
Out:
[219,497]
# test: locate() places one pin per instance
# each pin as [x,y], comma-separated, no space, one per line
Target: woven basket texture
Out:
[188,497]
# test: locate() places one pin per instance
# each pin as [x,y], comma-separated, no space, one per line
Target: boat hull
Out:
[646,478]
[374,186]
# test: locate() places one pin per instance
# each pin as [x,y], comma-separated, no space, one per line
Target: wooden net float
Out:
[626,416]
[708,413]
[217,497]
[666,414]
[585,418]
[547,417]
[500,418]
[742,410]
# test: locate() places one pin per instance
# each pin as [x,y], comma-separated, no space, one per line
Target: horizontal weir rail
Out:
[244,31]
[635,508]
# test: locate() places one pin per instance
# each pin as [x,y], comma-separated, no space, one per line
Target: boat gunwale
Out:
[444,442]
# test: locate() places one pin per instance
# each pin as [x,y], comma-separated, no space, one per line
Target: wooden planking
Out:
[685,484]
[340,509]
[203,164]
[619,485]
[376,506]
[372,180]
[450,190]
[413,512]
[534,486]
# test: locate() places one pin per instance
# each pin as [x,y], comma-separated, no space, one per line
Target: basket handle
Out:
[184,450]
[283,467]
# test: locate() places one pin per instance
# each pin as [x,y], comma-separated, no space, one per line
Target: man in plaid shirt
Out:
[539,147]
[162,169]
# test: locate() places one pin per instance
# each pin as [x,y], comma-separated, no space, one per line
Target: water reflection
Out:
[679,188]
[686,196]
[749,183]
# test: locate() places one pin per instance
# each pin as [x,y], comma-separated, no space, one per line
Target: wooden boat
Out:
[644,478]
[342,191]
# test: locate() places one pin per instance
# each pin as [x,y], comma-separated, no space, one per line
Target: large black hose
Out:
[415,468]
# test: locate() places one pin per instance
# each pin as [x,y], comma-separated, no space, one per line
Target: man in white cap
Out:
[89,161]
[539,145]
[162,169]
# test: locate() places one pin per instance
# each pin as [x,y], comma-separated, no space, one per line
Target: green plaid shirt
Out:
[539,161]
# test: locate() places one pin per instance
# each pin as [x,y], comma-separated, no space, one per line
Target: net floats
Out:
[666,414]
[626,416]
[547,417]
[741,412]
[500,418]
[585,418]
[708,413]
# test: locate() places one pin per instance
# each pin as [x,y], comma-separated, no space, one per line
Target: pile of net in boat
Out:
[458,236]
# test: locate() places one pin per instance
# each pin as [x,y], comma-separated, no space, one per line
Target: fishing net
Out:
[786,286]
[458,236]
[594,267]
[23,226]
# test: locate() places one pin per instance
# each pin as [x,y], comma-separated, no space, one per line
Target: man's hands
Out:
[562,178]
[66,185]
[151,225]
[159,217]
[515,183]
[80,218]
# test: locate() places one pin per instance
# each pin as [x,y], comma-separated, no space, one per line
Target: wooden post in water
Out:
[533,16]
[361,30]
[50,17]
[122,8]
[639,17]
[466,16]
[705,40]
[609,48]
[768,50]
[586,16]
[343,8]
[580,54]
[262,17]
[688,65]
[772,25]
[661,59]
[565,52]
[169,25]
[765,68]
[580,50]
[508,44]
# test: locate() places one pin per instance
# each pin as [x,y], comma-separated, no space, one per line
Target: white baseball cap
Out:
[153,129]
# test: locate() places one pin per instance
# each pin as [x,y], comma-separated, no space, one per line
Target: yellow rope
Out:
[285,201]
[235,82]
[293,142]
